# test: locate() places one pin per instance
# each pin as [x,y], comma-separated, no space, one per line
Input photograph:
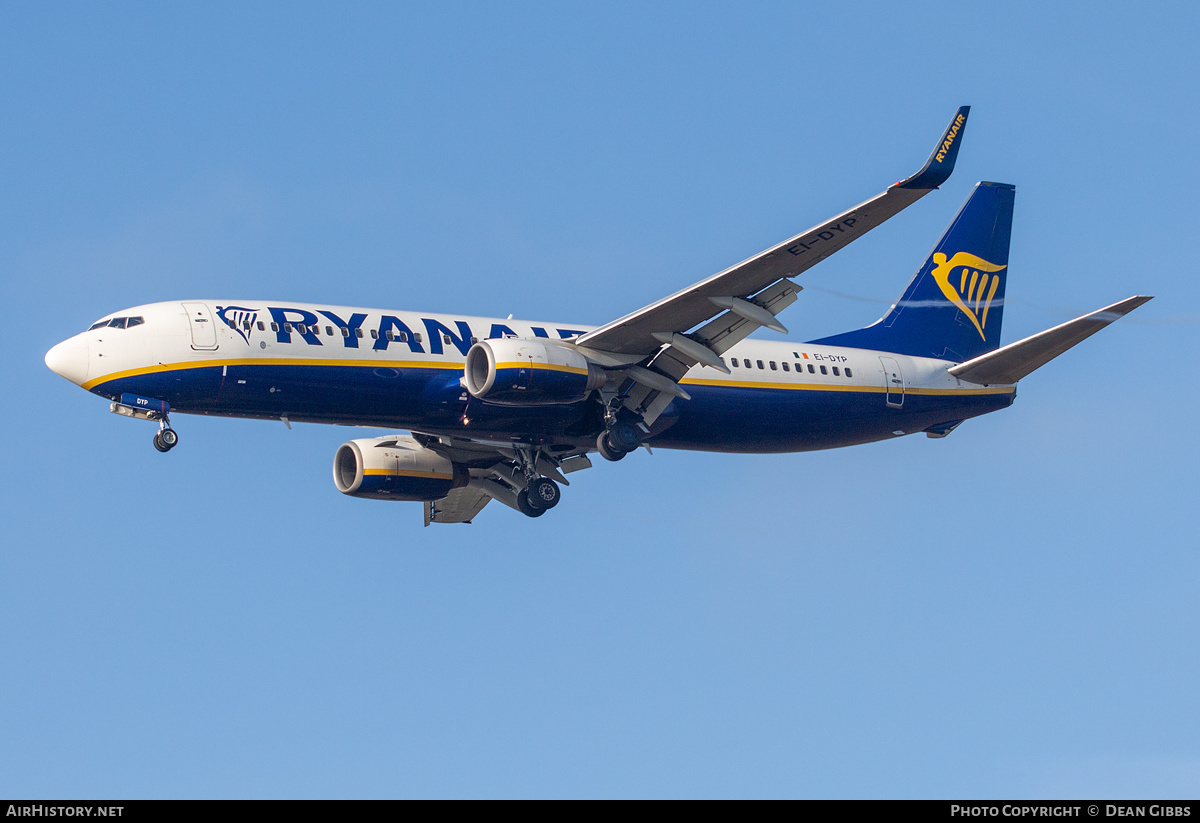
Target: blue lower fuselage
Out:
[729,418]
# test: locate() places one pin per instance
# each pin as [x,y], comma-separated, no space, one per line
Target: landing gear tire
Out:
[543,493]
[618,440]
[526,507]
[606,450]
[165,440]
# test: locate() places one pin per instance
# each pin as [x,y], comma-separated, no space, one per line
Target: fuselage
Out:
[403,370]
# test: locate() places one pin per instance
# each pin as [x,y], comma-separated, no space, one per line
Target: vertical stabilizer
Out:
[954,306]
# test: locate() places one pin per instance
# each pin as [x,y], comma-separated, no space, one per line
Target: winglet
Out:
[937,168]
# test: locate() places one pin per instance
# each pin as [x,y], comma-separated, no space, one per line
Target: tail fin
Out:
[954,306]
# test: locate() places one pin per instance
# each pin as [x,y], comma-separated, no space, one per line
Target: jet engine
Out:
[514,371]
[394,468]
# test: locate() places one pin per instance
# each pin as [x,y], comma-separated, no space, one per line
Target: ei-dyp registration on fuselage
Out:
[503,409]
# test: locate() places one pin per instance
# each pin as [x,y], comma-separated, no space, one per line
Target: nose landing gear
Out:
[145,408]
[166,438]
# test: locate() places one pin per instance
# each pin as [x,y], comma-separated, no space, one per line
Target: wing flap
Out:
[460,506]
[1016,360]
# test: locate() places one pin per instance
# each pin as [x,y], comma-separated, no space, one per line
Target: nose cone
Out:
[70,359]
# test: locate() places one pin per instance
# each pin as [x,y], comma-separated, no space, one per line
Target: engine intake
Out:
[394,468]
[516,371]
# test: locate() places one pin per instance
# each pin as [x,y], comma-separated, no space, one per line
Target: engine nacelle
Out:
[514,371]
[394,468]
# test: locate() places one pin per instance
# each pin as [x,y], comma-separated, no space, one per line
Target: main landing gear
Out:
[540,493]
[618,440]
[538,497]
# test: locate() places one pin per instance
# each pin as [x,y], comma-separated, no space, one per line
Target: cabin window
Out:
[287,328]
[836,373]
[345,331]
[760,365]
[329,330]
[246,325]
[390,335]
[374,334]
[416,335]
[746,363]
[402,336]
[848,374]
[274,327]
[772,365]
[231,324]
[302,328]
[811,370]
[358,333]
[732,361]
[134,321]
[785,366]
[824,370]
[260,326]
[447,340]
[474,340]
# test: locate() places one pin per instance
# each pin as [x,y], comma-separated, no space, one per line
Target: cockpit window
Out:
[117,323]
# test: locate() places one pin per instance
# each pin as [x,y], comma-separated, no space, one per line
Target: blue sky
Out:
[1009,612]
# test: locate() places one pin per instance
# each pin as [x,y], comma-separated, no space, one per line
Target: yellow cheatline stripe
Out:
[738,384]
[428,364]
[271,361]
[525,364]
[401,473]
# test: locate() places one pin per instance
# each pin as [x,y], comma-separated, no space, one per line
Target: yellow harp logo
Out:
[974,288]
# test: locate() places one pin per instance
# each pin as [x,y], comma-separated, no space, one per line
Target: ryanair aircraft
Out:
[504,409]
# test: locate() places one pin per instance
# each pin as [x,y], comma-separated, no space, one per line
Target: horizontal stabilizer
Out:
[1014,361]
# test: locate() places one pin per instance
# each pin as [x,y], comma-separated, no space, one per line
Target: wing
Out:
[752,292]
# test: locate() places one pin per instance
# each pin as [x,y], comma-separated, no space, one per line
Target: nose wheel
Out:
[166,439]
[147,408]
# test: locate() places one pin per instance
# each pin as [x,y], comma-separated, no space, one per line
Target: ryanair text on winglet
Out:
[950,135]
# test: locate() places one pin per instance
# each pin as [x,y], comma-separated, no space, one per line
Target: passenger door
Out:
[893,381]
[204,330]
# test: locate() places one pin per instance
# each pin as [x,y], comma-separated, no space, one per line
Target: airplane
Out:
[503,409]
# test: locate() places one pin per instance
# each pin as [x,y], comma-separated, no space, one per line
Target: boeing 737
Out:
[502,409]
